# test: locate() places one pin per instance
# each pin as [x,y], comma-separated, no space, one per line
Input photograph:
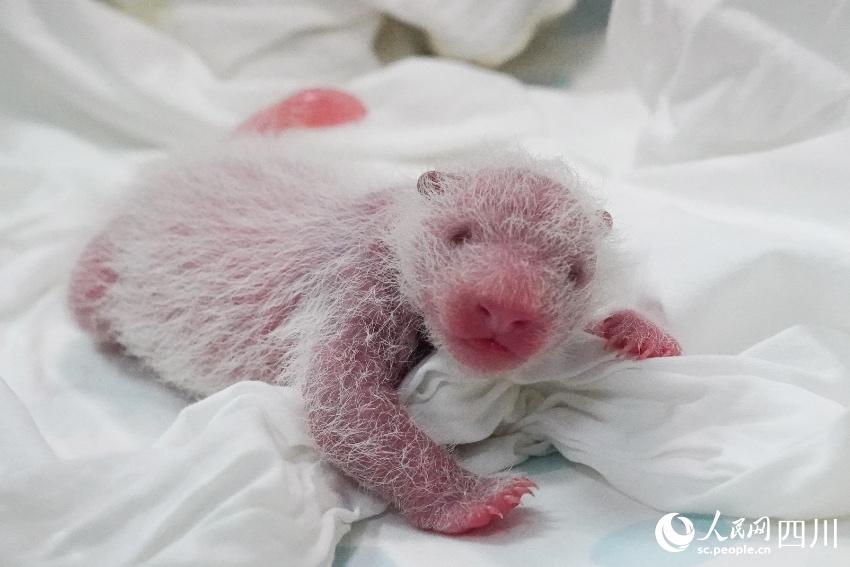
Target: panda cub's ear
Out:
[434,182]
[607,220]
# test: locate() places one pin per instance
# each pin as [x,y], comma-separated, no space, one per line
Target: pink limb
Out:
[634,336]
[90,281]
[359,425]
[313,108]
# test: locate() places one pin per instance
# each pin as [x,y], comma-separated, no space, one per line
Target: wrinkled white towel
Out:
[234,481]
[725,77]
[765,432]
[330,34]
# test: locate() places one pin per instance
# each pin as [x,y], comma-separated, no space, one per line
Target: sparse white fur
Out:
[566,233]
[250,261]
[205,236]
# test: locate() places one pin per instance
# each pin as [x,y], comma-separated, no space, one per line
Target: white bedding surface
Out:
[727,176]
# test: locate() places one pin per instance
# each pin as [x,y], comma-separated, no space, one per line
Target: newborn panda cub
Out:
[248,262]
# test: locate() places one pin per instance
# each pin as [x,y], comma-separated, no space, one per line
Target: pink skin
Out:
[314,108]
[354,415]
[635,337]
[92,278]
[468,501]
[352,406]
[491,332]
[357,421]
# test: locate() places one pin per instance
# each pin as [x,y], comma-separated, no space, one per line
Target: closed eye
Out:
[577,274]
[460,236]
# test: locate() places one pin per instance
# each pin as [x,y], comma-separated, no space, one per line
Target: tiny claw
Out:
[495,512]
[511,499]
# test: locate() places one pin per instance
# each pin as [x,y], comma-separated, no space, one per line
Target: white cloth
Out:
[234,481]
[693,434]
[734,76]
[489,33]
[334,36]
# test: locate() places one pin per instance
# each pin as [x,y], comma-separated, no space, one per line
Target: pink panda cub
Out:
[247,261]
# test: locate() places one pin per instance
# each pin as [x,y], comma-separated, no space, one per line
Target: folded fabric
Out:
[486,32]
[766,432]
[234,481]
[729,76]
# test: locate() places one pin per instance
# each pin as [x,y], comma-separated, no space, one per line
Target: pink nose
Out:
[492,333]
[500,319]
[512,324]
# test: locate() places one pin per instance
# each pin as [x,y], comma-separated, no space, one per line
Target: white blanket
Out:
[737,213]
[234,481]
